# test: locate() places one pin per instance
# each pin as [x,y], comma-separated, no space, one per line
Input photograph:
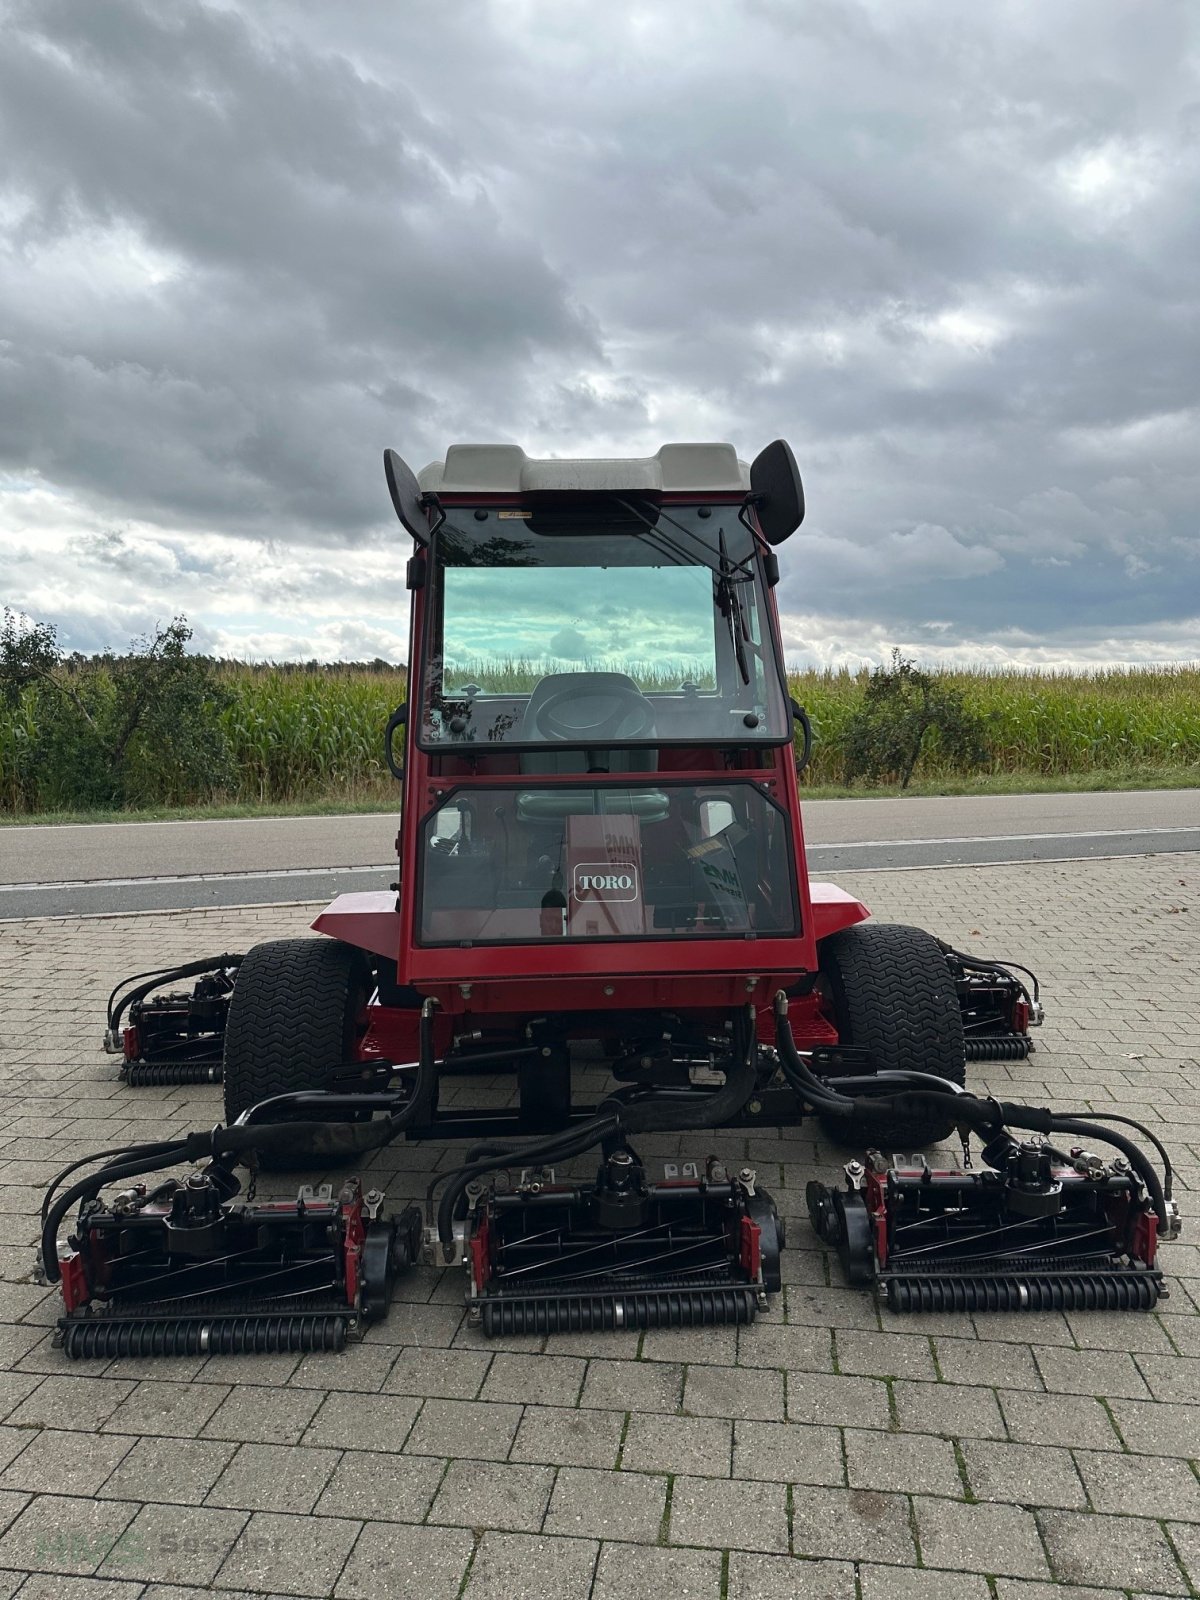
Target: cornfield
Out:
[308,733]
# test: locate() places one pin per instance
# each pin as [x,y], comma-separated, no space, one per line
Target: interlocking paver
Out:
[265,1416]
[346,1421]
[753,1577]
[1097,1372]
[734,1392]
[274,1477]
[979,1538]
[892,1583]
[788,1452]
[829,1398]
[607,1505]
[499,1494]
[385,1488]
[728,1515]
[851,1524]
[1024,1474]
[1078,1420]
[178,1410]
[633,1385]
[908,1463]
[58,1462]
[1014,1393]
[699,1446]
[885,1355]
[952,1410]
[538,1379]
[63,1402]
[55,1533]
[177,1544]
[1114,1552]
[509,1564]
[173,1471]
[464,1428]
[1158,1428]
[981,1361]
[626,1570]
[288,1555]
[554,1434]
[1140,1486]
[791,1348]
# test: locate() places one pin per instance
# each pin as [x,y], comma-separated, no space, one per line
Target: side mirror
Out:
[397,720]
[406,495]
[777,490]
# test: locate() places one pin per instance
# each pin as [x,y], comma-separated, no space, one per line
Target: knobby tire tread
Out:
[291,1020]
[894,995]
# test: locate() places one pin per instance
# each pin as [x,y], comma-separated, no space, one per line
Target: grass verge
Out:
[337,804]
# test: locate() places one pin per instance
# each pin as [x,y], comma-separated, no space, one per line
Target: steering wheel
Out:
[608,728]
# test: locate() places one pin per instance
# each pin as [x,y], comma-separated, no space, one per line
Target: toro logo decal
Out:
[605,880]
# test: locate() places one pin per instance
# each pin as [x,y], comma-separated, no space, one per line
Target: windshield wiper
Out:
[730,603]
[722,565]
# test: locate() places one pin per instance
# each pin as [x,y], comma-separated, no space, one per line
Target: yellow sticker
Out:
[508,514]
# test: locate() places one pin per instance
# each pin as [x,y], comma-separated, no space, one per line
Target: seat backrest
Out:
[609,758]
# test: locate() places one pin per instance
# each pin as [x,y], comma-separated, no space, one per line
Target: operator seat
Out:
[586,701]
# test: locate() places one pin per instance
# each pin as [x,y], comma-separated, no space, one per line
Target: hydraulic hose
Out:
[190,969]
[249,1135]
[1045,1121]
[985,1117]
[655,1114]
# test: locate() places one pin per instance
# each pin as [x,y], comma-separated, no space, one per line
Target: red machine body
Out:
[623,966]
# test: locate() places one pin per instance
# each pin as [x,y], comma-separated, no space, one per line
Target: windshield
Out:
[522,864]
[624,625]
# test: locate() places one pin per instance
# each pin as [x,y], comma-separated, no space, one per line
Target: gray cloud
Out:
[950,254]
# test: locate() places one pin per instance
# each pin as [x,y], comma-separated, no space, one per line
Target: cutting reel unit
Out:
[184,1268]
[694,1250]
[1038,1230]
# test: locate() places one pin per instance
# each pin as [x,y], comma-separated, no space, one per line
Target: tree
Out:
[111,730]
[902,707]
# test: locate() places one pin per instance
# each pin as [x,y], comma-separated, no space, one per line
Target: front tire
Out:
[293,1021]
[891,992]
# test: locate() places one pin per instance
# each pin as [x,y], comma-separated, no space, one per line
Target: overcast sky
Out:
[949,250]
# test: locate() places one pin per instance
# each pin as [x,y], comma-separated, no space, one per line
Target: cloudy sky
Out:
[948,250]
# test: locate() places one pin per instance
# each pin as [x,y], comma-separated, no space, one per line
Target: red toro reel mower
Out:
[601,878]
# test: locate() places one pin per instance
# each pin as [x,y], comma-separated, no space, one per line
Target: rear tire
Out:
[293,1022]
[891,992]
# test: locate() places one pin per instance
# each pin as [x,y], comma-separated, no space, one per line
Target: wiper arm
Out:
[722,565]
[728,574]
[731,606]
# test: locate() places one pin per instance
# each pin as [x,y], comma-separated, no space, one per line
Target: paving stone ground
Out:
[827,1451]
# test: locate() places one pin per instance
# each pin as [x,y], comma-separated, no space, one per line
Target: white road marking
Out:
[391,866]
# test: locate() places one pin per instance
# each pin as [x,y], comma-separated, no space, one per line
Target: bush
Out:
[901,708]
[109,730]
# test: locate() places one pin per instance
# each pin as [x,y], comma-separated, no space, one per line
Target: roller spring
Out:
[1131,1291]
[997,1047]
[159,1074]
[94,1337]
[673,1308]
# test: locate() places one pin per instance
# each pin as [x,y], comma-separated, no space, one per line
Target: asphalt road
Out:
[148,866]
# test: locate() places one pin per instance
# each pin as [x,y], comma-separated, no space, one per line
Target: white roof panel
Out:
[506,469]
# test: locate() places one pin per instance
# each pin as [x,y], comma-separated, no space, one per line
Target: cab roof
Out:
[506,469]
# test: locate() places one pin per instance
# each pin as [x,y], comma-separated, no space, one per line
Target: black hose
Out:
[993,964]
[102,1155]
[246,1135]
[88,1188]
[656,1113]
[190,969]
[1136,1158]
[1111,1116]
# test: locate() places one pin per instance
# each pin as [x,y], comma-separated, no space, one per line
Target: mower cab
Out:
[602,876]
